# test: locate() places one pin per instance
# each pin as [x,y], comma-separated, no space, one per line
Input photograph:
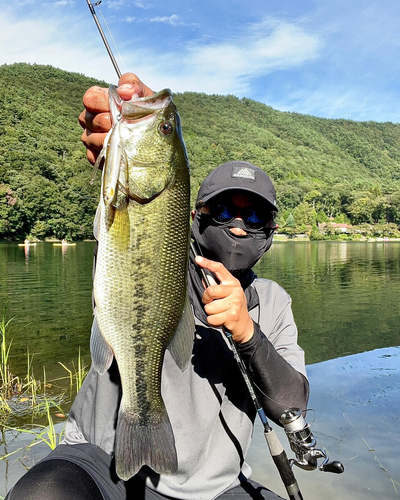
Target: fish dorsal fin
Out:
[181,345]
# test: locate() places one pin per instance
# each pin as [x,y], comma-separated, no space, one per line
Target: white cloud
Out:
[64,2]
[232,63]
[223,67]
[116,4]
[52,40]
[130,19]
[140,5]
[174,19]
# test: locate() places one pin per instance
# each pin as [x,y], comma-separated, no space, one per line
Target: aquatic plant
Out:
[79,373]
[43,433]
[7,380]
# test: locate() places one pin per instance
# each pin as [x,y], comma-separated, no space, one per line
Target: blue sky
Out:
[334,59]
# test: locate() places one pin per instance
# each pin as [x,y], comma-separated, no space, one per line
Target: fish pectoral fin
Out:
[152,444]
[181,344]
[102,354]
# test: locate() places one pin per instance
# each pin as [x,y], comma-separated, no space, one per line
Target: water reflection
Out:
[50,300]
[357,415]
[345,300]
[356,400]
[344,294]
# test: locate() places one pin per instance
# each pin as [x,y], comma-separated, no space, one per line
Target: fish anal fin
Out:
[181,344]
[152,444]
[101,352]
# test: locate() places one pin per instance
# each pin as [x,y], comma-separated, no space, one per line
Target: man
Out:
[208,404]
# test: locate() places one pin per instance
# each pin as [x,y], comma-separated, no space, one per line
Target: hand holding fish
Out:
[226,304]
[95,119]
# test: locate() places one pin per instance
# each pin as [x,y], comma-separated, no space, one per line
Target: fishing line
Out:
[273,400]
[112,38]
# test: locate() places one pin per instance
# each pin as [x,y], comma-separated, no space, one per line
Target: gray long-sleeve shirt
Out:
[208,404]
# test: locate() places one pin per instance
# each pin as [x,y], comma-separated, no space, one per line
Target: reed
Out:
[29,388]
[78,373]
[7,380]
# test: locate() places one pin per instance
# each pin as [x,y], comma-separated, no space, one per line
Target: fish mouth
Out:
[143,107]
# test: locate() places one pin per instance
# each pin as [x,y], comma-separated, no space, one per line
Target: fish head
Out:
[153,144]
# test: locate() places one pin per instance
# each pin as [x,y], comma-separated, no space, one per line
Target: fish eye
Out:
[166,128]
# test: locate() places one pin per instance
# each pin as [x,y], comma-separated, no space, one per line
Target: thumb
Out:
[129,84]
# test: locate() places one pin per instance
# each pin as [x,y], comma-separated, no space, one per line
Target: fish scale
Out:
[140,295]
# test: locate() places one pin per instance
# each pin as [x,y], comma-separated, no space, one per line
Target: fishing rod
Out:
[91,7]
[301,440]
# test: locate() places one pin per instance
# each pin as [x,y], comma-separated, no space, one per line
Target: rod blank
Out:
[115,64]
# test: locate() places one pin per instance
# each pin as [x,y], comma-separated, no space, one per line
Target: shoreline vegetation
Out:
[322,232]
[325,171]
[340,232]
[31,405]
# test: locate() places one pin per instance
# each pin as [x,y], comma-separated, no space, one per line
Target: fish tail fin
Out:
[152,444]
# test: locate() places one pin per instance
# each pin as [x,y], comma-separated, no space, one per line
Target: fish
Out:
[141,305]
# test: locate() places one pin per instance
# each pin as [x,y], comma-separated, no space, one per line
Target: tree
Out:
[290,222]
[305,214]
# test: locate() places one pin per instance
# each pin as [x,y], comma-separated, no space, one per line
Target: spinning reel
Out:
[303,444]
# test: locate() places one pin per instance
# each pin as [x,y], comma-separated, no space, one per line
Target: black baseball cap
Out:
[237,175]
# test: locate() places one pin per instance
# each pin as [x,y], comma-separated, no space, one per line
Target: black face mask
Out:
[236,253]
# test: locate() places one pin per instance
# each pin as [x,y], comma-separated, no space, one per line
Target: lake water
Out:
[345,303]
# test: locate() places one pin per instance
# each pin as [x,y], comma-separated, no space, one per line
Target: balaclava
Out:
[238,253]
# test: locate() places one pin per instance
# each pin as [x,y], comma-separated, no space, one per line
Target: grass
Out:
[79,373]
[29,387]
[36,399]
[8,381]
[42,433]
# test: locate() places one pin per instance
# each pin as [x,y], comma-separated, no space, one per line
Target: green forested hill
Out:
[322,168]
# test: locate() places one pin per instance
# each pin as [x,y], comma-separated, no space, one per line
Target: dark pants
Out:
[84,472]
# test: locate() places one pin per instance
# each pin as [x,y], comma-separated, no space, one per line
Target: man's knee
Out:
[56,480]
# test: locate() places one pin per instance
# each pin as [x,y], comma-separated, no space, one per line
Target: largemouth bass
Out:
[139,288]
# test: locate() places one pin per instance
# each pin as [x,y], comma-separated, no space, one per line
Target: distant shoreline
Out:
[278,238]
[305,238]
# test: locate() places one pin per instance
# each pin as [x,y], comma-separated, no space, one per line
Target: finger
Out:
[220,271]
[92,140]
[82,119]
[130,84]
[100,122]
[217,319]
[228,306]
[92,156]
[95,100]
[217,292]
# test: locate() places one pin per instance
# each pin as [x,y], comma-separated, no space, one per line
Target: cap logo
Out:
[244,173]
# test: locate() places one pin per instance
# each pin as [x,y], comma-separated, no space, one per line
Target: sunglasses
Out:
[253,218]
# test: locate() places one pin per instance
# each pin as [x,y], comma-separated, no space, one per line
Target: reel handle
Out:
[335,466]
